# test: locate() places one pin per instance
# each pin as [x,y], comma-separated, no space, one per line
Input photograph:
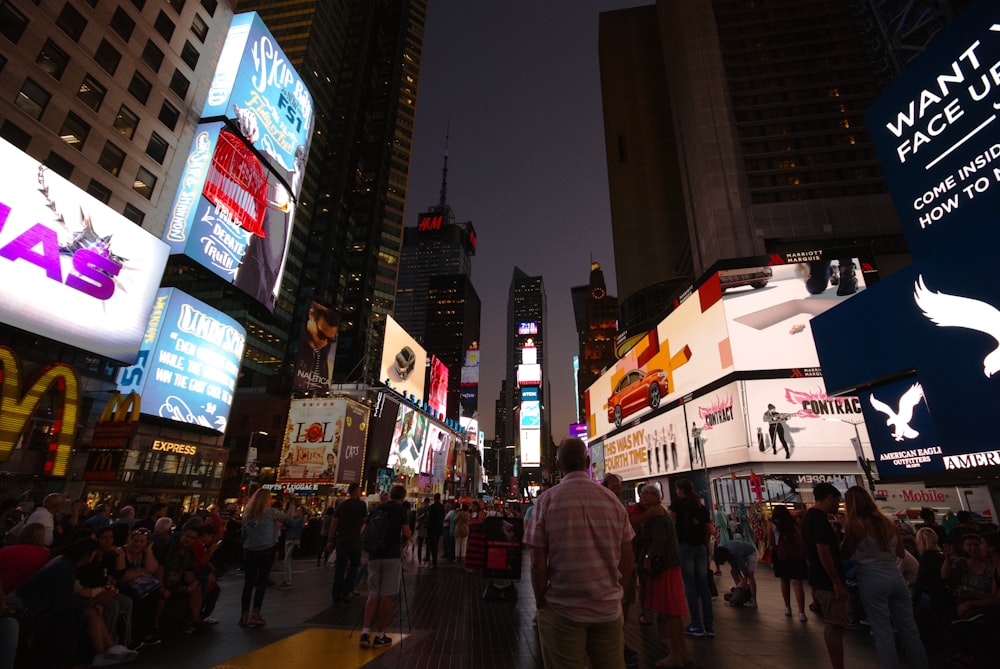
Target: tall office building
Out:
[453,321]
[364,58]
[596,317]
[735,129]
[525,339]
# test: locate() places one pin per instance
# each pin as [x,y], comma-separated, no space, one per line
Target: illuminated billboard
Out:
[189,361]
[408,438]
[317,353]
[71,268]
[904,438]
[434,457]
[404,361]
[527,328]
[531,414]
[717,431]
[324,441]
[935,132]
[437,395]
[531,447]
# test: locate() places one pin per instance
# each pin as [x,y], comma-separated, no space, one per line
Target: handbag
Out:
[142,586]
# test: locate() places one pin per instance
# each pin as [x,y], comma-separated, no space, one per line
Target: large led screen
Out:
[404,361]
[687,350]
[324,441]
[768,314]
[408,438]
[437,394]
[434,458]
[794,419]
[716,426]
[71,268]
[531,447]
[189,361]
[317,353]
[936,132]
[661,445]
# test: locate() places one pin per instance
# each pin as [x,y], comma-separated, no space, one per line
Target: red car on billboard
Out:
[637,389]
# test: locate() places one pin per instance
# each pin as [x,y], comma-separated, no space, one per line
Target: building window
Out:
[190,55]
[74,131]
[157,148]
[123,24]
[126,122]
[152,56]
[59,165]
[164,26]
[71,21]
[133,214]
[168,115]
[199,28]
[139,4]
[111,158]
[144,183]
[140,87]
[178,5]
[91,92]
[12,22]
[52,59]
[107,57]
[15,135]
[179,84]
[210,6]
[32,99]
[99,191]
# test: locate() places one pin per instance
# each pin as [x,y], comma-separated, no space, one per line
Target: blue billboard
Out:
[936,132]
[903,435]
[188,363]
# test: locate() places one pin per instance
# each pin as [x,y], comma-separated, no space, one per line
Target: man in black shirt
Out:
[385,569]
[344,535]
[435,524]
[826,569]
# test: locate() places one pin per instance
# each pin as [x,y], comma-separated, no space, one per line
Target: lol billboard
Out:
[324,441]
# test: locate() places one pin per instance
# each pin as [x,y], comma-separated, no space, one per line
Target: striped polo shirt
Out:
[583,526]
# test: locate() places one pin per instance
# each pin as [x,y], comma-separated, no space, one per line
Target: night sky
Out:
[520,85]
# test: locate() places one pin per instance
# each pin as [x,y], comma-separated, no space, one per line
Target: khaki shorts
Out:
[834,610]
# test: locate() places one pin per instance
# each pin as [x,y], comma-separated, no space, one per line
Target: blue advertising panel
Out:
[256,87]
[188,364]
[936,132]
[903,436]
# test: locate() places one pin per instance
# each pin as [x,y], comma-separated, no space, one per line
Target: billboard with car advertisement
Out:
[404,361]
[794,419]
[71,268]
[408,438]
[688,349]
[936,133]
[190,358]
[324,441]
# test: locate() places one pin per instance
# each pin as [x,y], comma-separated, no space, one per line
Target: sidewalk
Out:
[448,625]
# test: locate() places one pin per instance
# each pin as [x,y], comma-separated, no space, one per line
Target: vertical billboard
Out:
[434,459]
[437,394]
[187,367]
[404,361]
[324,441]
[904,438]
[408,437]
[235,207]
[717,428]
[313,374]
[71,268]
[469,381]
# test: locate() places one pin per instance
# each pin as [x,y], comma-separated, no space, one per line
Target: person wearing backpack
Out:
[384,537]
[691,518]
[788,556]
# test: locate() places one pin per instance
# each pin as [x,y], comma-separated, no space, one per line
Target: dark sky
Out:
[518,81]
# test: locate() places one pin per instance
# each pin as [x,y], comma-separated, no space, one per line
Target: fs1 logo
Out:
[94,265]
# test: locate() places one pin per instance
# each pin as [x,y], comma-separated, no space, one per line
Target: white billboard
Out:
[404,361]
[531,447]
[717,427]
[71,268]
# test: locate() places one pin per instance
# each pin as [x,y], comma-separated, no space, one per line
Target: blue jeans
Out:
[889,605]
[694,570]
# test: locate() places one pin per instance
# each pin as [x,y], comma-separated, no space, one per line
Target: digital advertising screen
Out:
[189,361]
[527,328]
[805,424]
[316,357]
[404,361]
[71,268]
[437,395]
[408,438]
[531,414]
[433,459]
[531,447]
[717,428]
[936,132]
[904,438]
[324,441]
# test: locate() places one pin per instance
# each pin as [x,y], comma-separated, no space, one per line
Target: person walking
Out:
[385,568]
[324,553]
[462,520]
[423,515]
[788,557]
[293,539]
[581,557]
[826,569]
[344,541]
[449,531]
[435,525]
[691,519]
[873,542]
[260,541]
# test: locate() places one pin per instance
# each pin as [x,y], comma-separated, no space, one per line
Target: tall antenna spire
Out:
[444,172]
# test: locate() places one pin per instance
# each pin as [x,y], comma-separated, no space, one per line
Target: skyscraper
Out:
[735,129]
[596,316]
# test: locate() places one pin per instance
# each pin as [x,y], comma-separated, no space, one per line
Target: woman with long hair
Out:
[788,555]
[872,540]
[260,541]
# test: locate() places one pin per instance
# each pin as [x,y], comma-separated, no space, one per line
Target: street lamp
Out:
[250,467]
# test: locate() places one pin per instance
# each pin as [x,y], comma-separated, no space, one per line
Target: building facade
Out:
[596,317]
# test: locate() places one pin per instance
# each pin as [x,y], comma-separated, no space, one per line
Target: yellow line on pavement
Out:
[311,647]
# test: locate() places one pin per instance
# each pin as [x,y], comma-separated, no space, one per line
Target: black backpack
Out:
[376,530]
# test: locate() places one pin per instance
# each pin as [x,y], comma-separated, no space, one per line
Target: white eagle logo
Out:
[899,420]
[961,312]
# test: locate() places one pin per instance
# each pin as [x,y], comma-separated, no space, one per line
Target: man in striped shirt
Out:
[581,556]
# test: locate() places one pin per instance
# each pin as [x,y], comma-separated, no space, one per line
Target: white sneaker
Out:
[802,617]
[788,611]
